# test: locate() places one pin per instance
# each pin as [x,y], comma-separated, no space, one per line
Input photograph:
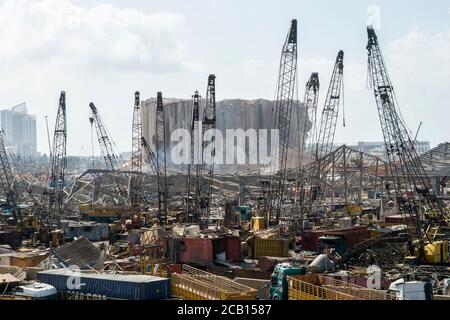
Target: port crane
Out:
[192,183]
[108,153]
[286,87]
[413,188]
[327,130]
[58,165]
[310,103]
[205,172]
[161,172]
[135,188]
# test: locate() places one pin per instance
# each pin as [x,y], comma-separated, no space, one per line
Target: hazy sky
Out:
[102,51]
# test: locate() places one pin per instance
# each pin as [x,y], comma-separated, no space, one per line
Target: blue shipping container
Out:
[114,286]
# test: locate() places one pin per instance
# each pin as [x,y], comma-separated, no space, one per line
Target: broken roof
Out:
[80,252]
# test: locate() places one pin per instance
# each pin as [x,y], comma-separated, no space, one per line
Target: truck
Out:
[279,285]
[292,282]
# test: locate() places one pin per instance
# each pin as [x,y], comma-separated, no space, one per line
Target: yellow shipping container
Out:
[270,248]
[258,223]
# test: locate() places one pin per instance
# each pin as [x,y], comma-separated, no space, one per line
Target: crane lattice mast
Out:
[286,88]
[408,174]
[310,103]
[161,160]
[136,156]
[330,113]
[194,167]
[58,168]
[108,153]
[206,170]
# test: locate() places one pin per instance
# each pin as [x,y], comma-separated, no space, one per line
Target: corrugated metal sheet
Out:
[80,252]
[128,287]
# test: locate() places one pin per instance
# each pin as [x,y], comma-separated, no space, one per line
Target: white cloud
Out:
[102,53]
[420,68]
[59,31]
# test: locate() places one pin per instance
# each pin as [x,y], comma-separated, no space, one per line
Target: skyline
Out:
[104,52]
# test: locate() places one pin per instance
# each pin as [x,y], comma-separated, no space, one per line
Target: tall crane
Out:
[310,103]
[59,162]
[192,184]
[108,153]
[205,174]
[104,140]
[286,88]
[408,174]
[7,178]
[136,156]
[325,139]
[161,160]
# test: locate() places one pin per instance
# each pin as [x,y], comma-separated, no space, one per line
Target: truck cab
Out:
[278,284]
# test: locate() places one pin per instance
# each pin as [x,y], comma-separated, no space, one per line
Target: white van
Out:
[37,291]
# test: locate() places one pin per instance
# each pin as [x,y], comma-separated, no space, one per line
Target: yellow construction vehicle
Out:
[431,249]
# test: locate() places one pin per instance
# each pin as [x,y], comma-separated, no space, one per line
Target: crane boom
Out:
[310,103]
[205,172]
[330,113]
[108,152]
[161,160]
[192,183]
[104,140]
[331,109]
[57,178]
[408,174]
[282,111]
[136,156]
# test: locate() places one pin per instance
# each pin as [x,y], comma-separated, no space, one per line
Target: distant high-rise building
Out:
[20,130]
